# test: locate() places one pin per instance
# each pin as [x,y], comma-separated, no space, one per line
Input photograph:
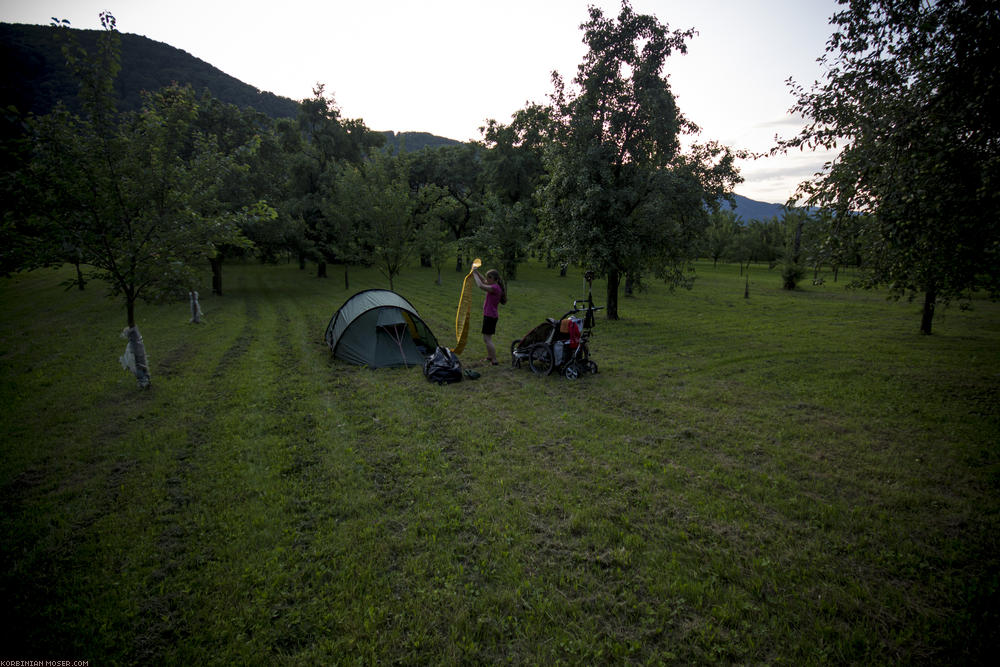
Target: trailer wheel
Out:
[541,359]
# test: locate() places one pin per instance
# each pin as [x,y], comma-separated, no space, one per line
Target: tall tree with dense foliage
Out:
[383,208]
[329,142]
[253,184]
[457,172]
[621,195]
[512,170]
[720,237]
[136,192]
[910,96]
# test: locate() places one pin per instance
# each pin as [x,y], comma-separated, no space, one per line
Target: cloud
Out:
[775,178]
[786,121]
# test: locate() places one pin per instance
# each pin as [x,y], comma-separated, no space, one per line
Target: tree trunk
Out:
[347,280]
[80,282]
[321,269]
[614,279]
[798,240]
[302,262]
[216,263]
[930,298]
[134,358]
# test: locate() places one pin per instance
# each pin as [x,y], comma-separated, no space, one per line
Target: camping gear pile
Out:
[559,344]
[378,328]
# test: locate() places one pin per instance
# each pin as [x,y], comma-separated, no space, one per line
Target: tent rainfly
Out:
[378,328]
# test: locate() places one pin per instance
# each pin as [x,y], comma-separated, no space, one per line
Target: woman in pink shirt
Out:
[496,294]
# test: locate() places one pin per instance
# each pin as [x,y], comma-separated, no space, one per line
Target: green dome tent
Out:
[378,328]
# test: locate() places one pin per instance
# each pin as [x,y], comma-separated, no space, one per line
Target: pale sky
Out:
[445,66]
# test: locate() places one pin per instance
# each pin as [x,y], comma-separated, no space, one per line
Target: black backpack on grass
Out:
[443,367]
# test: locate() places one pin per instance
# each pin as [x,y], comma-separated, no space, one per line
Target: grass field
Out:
[794,478]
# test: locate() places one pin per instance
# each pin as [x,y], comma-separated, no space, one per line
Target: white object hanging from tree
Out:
[195,308]
[134,359]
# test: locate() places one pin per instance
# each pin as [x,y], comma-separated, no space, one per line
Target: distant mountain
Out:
[751,209]
[412,142]
[33,77]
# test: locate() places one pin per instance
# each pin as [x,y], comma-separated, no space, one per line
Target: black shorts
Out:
[489,325]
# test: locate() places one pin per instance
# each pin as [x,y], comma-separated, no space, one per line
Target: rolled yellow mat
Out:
[464,313]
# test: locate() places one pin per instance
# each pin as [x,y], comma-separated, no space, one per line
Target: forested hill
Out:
[33,74]
[33,77]
[415,141]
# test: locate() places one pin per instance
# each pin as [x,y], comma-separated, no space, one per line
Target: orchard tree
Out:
[504,234]
[720,237]
[254,183]
[329,142]
[457,171]
[136,193]
[434,238]
[793,223]
[621,196]
[512,170]
[384,211]
[910,97]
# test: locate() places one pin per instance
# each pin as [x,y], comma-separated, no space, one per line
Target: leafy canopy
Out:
[621,196]
[135,193]
[910,97]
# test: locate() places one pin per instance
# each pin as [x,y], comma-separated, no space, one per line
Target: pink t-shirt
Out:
[491,306]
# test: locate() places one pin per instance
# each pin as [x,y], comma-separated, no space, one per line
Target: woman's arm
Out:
[480,283]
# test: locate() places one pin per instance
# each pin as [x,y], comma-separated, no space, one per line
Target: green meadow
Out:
[790,478]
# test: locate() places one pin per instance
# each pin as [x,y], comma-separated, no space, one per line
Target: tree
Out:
[384,210]
[253,181]
[329,141]
[504,234]
[512,170]
[457,171]
[793,222]
[136,193]
[910,96]
[620,195]
[434,237]
[720,237]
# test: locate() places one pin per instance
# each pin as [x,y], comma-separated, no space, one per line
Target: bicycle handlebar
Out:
[577,308]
